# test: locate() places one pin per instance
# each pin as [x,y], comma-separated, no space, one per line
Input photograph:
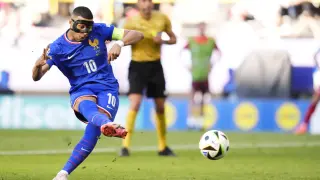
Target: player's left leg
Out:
[164,150]
[156,89]
[205,99]
[204,89]
[137,81]
[81,151]
[193,104]
[303,127]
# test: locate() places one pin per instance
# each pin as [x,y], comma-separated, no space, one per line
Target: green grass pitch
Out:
[252,156]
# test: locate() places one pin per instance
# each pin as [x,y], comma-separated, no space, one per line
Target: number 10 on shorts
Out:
[112,100]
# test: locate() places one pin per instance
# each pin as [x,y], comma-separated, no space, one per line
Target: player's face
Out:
[145,6]
[202,28]
[81,26]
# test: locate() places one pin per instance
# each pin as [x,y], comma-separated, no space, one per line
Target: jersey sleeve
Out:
[50,62]
[107,32]
[317,57]
[168,26]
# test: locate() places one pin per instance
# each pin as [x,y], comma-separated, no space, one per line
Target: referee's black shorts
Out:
[147,77]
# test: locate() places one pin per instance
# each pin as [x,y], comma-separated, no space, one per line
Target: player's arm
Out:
[218,52]
[128,37]
[41,66]
[185,47]
[124,37]
[316,58]
[170,33]
[215,56]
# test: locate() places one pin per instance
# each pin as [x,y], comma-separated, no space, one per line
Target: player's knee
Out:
[198,97]
[79,100]
[86,106]
[207,98]
[90,111]
[160,108]
[135,106]
[160,105]
[316,97]
[103,111]
[135,102]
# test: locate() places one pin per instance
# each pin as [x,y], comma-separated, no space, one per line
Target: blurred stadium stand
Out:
[250,34]
[239,26]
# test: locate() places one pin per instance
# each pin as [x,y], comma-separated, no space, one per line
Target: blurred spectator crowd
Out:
[283,18]
[301,18]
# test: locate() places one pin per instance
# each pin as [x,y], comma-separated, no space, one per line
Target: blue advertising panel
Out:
[241,115]
[54,112]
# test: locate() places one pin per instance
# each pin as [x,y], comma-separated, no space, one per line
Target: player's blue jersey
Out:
[84,62]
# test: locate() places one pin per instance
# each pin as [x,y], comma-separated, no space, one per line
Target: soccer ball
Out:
[214,144]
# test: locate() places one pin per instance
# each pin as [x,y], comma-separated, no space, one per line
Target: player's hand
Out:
[43,58]
[157,39]
[114,52]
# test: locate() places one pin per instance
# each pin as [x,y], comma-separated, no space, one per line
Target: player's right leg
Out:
[196,105]
[191,114]
[87,106]
[205,99]
[135,102]
[137,82]
[303,127]
[193,105]
[198,109]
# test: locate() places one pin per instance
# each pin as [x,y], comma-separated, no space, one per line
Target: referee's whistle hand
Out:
[157,39]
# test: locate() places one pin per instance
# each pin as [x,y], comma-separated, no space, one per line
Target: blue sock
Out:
[83,148]
[90,111]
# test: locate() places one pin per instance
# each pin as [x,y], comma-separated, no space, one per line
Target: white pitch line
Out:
[175,147]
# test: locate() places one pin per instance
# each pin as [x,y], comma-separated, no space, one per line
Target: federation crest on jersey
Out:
[95,44]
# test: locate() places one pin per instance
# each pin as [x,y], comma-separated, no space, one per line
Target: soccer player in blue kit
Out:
[81,55]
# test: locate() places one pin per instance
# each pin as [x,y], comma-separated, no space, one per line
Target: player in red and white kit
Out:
[303,127]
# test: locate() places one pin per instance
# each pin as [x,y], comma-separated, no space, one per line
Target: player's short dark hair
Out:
[83,12]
